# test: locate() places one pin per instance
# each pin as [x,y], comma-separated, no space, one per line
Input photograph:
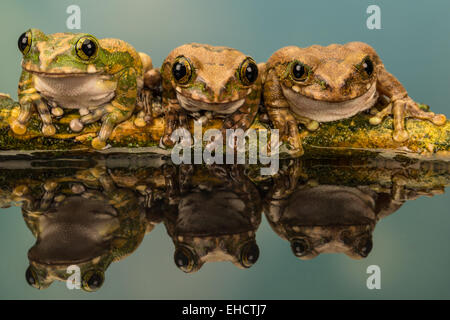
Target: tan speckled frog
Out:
[206,82]
[321,84]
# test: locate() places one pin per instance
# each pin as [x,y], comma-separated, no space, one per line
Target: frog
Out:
[318,84]
[206,82]
[101,78]
[333,206]
[84,220]
[212,215]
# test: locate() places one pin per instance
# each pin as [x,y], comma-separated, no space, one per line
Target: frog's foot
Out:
[48,129]
[18,128]
[108,125]
[76,125]
[142,119]
[144,103]
[287,148]
[19,125]
[311,125]
[57,112]
[405,108]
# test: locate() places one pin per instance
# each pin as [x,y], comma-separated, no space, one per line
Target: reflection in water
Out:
[91,212]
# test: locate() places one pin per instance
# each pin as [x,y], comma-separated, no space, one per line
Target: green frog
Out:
[321,84]
[101,78]
[209,82]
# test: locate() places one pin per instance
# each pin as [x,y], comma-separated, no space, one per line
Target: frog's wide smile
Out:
[323,111]
[220,107]
[59,74]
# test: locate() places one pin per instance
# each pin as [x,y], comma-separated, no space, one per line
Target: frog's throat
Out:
[324,111]
[221,108]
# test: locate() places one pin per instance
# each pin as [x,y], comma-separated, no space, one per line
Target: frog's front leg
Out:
[29,98]
[280,115]
[401,106]
[114,112]
[175,118]
[242,118]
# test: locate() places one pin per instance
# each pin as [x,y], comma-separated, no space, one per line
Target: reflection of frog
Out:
[87,222]
[321,84]
[320,218]
[207,82]
[101,78]
[213,215]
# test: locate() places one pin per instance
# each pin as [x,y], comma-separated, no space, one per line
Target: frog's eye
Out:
[367,66]
[32,278]
[181,70]
[24,42]
[249,254]
[248,71]
[364,247]
[300,247]
[93,280]
[299,71]
[86,48]
[184,259]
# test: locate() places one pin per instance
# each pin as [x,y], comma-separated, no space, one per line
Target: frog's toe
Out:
[140,122]
[18,128]
[290,150]
[400,135]
[439,119]
[312,125]
[98,144]
[166,142]
[57,111]
[48,130]
[375,120]
[76,125]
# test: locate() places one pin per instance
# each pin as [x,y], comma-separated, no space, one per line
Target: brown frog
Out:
[207,82]
[212,215]
[320,84]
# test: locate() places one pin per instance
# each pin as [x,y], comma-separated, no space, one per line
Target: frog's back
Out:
[122,54]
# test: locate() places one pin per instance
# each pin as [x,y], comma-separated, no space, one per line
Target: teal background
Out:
[411,246]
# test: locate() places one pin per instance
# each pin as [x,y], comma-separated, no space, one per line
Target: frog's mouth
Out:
[324,111]
[198,105]
[60,74]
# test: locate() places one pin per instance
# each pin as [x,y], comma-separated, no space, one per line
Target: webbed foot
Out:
[405,108]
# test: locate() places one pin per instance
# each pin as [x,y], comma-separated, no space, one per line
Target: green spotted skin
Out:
[111,81]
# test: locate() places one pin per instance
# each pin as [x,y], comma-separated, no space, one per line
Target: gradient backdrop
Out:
[411,246]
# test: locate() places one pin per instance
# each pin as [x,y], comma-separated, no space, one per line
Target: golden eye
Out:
[93,280]
[24,42]
[184,259]
[32,278]
[248,72]
[299,71]
[87,48]
[181,70]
